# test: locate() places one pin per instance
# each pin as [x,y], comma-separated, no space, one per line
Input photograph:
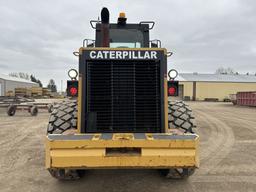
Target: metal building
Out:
[195,86]
[8,83]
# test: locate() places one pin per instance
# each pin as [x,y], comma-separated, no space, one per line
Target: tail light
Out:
[72,88]
[173,88]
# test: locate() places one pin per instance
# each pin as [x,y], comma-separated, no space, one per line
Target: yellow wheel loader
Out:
[119,115]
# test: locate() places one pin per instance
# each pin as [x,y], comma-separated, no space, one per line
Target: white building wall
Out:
[7,85]
[11,85]
[1,87]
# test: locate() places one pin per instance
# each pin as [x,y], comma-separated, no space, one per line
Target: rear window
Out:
[130,38]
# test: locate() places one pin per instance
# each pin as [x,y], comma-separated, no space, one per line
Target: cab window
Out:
[126,38]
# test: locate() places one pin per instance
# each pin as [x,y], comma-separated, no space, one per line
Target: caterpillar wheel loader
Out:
[119,115]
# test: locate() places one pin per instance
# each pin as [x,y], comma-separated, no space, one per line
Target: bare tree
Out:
[52,86]
[26,76]
[13,74]
[228,70]
[34,79]
[20,75]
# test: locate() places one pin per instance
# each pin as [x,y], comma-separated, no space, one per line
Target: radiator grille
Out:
[124,95]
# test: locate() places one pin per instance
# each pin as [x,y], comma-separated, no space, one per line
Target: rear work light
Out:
[173,88]
[72,88]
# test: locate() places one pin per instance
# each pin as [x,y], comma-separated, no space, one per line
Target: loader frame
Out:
[119,150]
[83,150]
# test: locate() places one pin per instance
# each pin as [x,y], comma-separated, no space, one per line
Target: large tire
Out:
[63,120]
[180,173]
[63,117]
[179,117]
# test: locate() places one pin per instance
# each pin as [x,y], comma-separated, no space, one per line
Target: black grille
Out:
[124,96]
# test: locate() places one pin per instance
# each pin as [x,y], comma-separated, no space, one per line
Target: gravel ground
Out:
[227,153]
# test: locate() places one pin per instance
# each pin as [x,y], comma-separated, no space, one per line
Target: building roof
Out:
[9,78]
[217,78]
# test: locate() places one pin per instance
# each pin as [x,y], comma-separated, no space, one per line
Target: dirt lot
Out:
[228,156]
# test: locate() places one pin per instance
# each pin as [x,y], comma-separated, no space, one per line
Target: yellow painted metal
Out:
[149,136]
[47,154]
[79,103]
[166,105]
[94,159]
[123,136]
[151,143]
[91,153]
[96,137]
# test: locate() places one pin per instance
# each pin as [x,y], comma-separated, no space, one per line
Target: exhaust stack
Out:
[105,27]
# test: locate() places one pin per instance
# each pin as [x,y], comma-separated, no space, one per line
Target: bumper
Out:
[121,150]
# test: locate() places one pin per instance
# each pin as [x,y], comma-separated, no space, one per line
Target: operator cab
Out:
[125,36]
[121,34]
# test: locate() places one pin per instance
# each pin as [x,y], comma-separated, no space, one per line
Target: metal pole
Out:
[61,87]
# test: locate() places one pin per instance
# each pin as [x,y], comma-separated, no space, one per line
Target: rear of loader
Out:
[122,117]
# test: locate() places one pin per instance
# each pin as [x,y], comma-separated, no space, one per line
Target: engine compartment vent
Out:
[124,96]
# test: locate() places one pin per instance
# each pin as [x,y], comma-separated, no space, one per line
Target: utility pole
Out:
[61,85]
